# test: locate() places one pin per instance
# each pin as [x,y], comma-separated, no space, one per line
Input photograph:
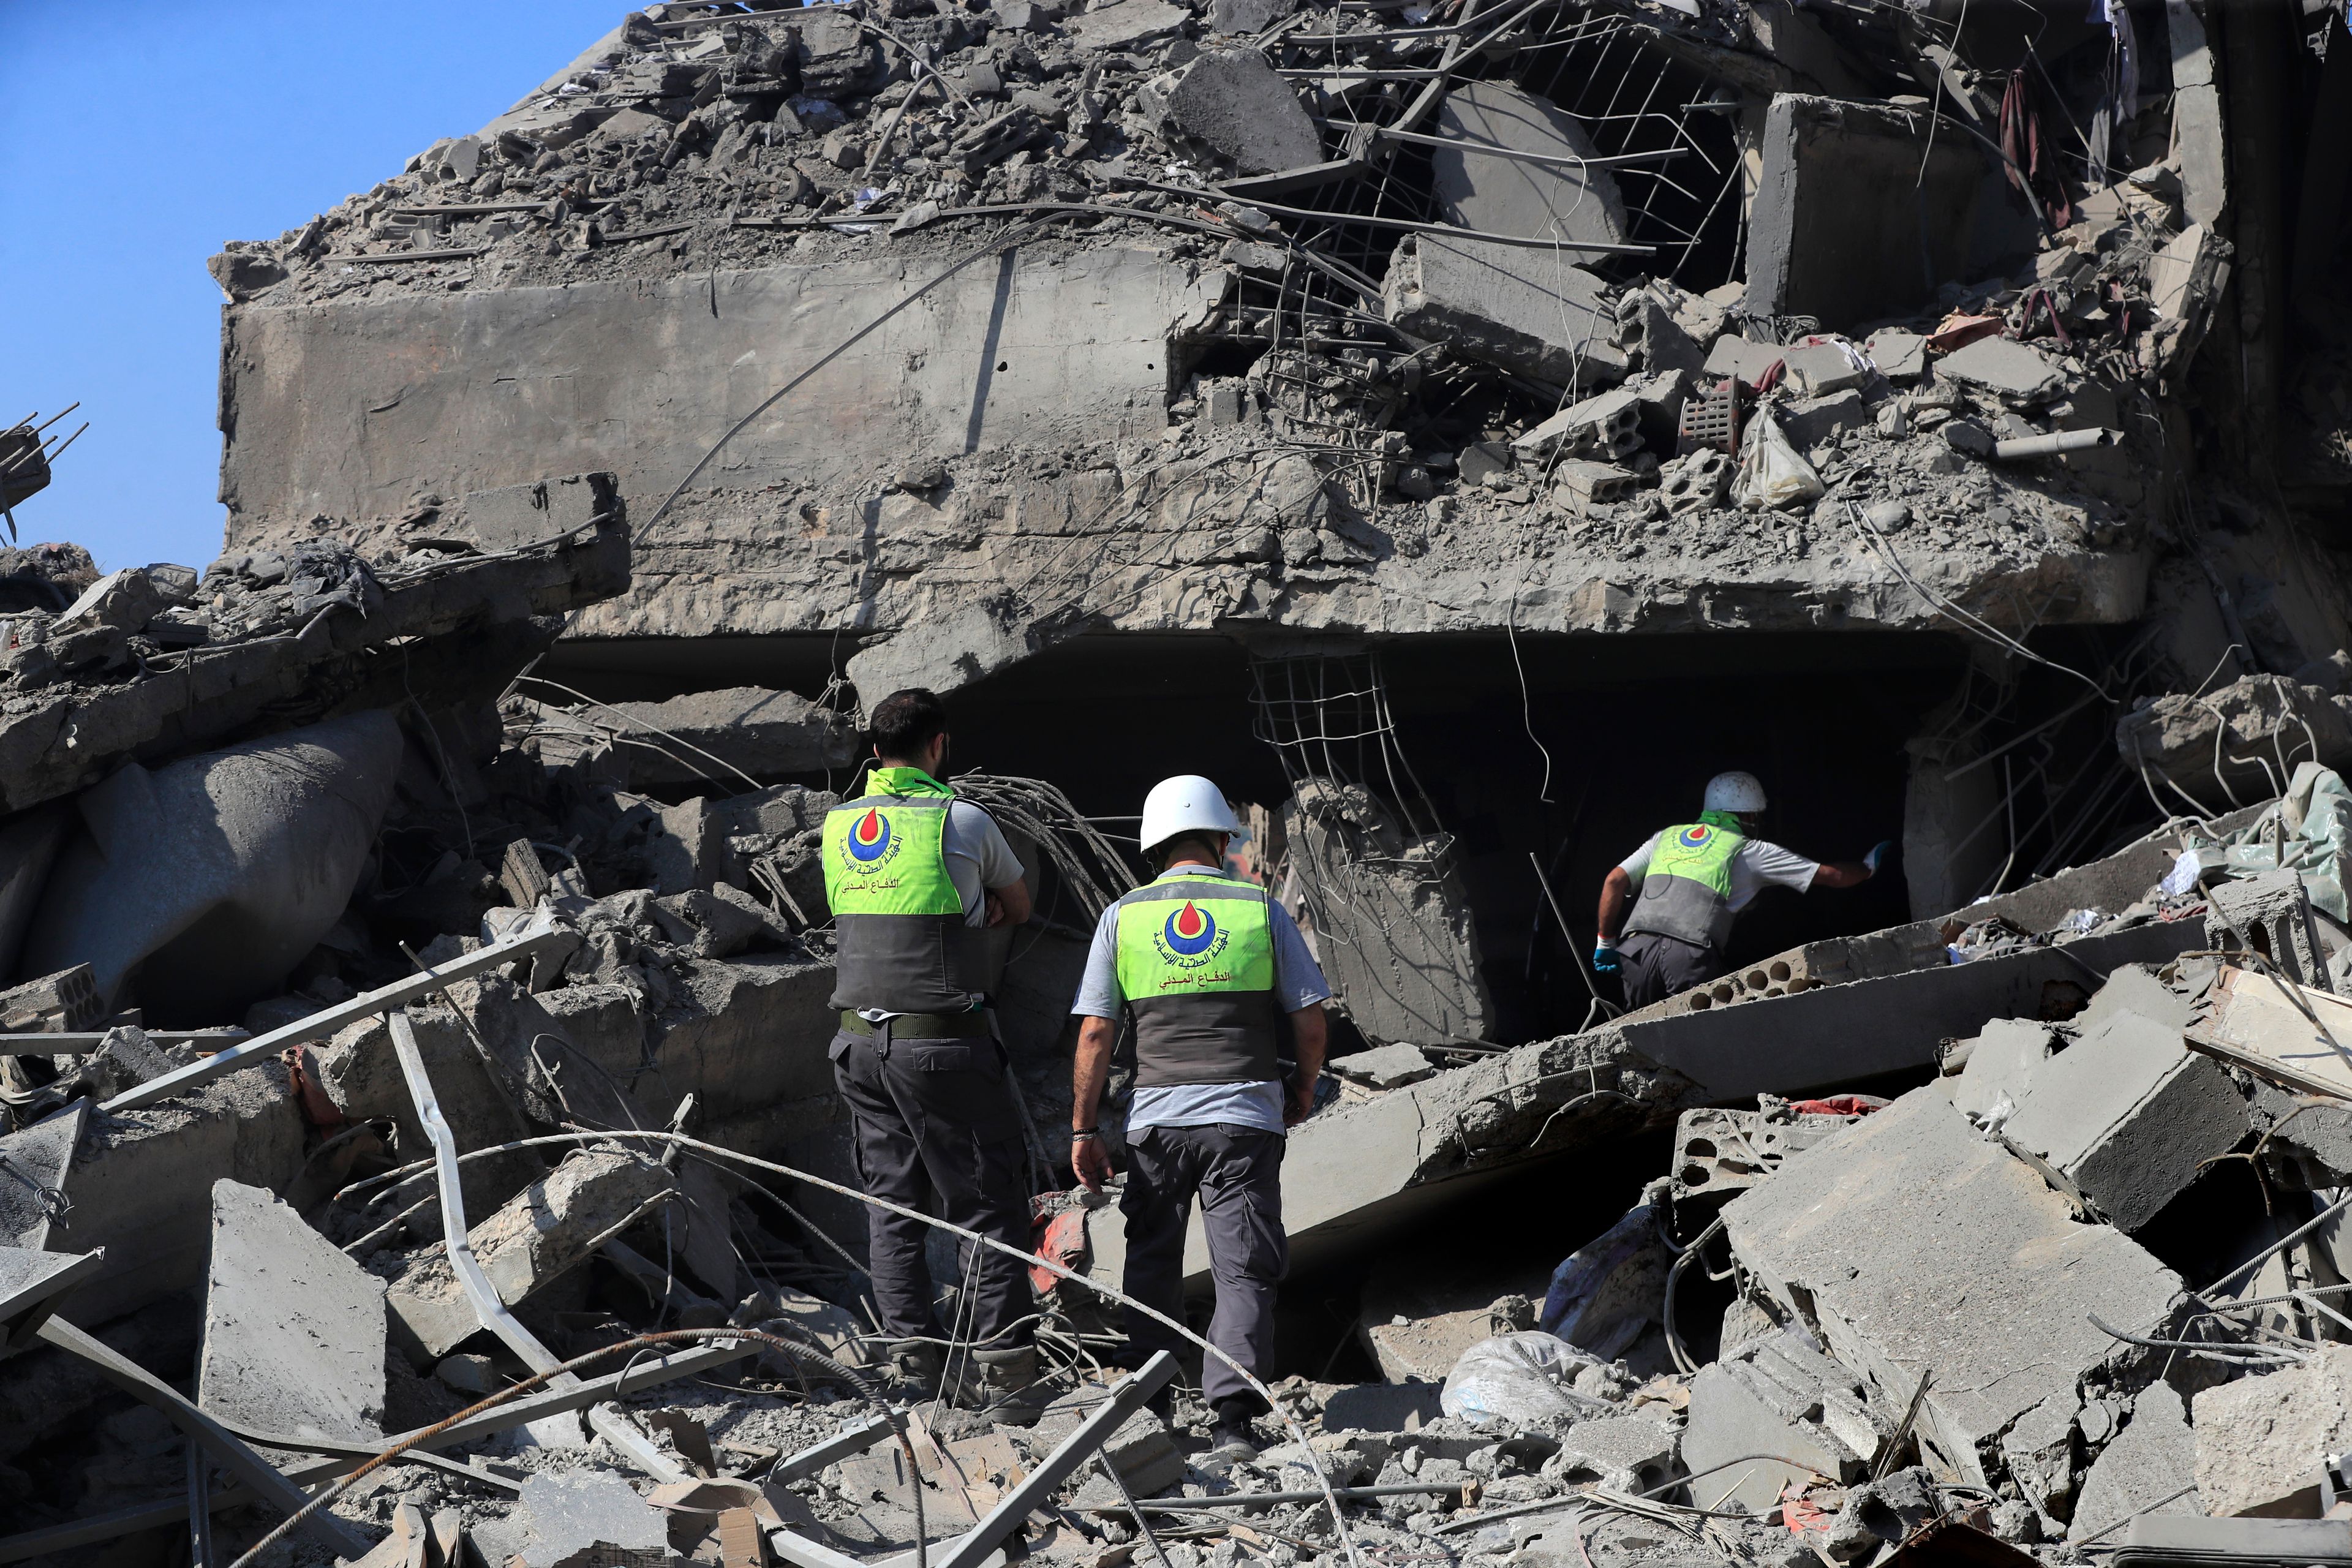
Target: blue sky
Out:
[136,136]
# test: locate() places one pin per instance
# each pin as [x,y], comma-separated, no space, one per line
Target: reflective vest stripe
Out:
[901,944]
[1196,966]
[1687,892]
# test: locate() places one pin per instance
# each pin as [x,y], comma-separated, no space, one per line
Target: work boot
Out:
[911,1369]
[1004,1384]
[1235,1440]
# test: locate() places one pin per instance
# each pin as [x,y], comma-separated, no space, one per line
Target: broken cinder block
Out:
[2127,1116]
[540,1232]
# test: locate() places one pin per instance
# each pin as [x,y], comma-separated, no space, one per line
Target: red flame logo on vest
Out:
[870,838]
[1190,930]
[1695,835]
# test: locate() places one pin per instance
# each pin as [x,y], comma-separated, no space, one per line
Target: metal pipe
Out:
[488,1305]
[1408,225]
[528,942]
[1267,1499]
[2051,445]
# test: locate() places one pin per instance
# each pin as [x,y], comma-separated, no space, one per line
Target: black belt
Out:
[972,1026]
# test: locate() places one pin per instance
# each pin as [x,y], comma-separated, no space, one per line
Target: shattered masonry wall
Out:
[329,406]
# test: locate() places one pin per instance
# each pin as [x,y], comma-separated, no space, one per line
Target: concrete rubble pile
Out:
[1456,428]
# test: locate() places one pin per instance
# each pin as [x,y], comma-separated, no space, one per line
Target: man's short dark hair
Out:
[904,723]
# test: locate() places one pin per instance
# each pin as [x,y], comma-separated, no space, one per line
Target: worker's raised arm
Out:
[1852,873]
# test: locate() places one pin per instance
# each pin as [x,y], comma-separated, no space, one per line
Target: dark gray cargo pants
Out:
[937,1130]
[1652,967]
[1237,1170]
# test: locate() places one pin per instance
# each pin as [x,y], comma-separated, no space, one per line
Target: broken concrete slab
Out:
[565,1516]
[702,737]
[1385,1066]
[2136,988]
[2014,371]
[1899,355]
[1125,22]
[319,669]
[1477,190]
[2241,728]
[1529,311]
[1779,1396]
[1832,1036]
[1381,1406]
[1233,100]
[293,1330]
[2001,1063]
[2128,1117]
[1907,1242]
[541,1232]
[33,1200]
[1631,1453]
[974,642]
[2143,1469]
[195,888]
[2260,1440]
[141,1182]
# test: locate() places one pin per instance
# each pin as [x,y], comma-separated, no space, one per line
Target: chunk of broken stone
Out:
[293,1330]
[1125,22]
[1233,100]
[2260,1439]
[2015,372]
[125,600]
[1386,1067]
[541,1231]
[2143,1469]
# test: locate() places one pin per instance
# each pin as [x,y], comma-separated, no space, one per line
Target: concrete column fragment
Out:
[1476,189]
[1391,918]
[1529,311]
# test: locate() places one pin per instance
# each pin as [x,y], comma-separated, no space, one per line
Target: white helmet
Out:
[1185,804]
[1739,792]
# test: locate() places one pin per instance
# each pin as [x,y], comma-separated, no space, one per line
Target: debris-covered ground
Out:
[1459,428]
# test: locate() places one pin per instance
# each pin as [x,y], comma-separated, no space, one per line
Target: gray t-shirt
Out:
[978,858]
[1757,866]
[1299,985]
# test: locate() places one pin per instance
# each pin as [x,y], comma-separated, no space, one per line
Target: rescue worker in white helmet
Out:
[1692,879]
[1205,964]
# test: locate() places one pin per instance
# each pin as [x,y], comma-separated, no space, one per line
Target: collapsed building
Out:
[420,954]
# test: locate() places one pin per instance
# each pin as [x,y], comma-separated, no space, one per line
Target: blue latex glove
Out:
[1878,852]
[1604,959]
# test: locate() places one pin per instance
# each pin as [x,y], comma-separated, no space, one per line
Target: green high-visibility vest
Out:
[1687,892]
[901,941]
[1196,969]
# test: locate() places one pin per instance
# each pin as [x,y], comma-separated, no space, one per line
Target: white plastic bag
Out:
[1520,1378]
[1771,472]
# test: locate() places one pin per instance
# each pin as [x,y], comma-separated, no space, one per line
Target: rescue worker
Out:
[1693,878]
[914,876]
[1204,963]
